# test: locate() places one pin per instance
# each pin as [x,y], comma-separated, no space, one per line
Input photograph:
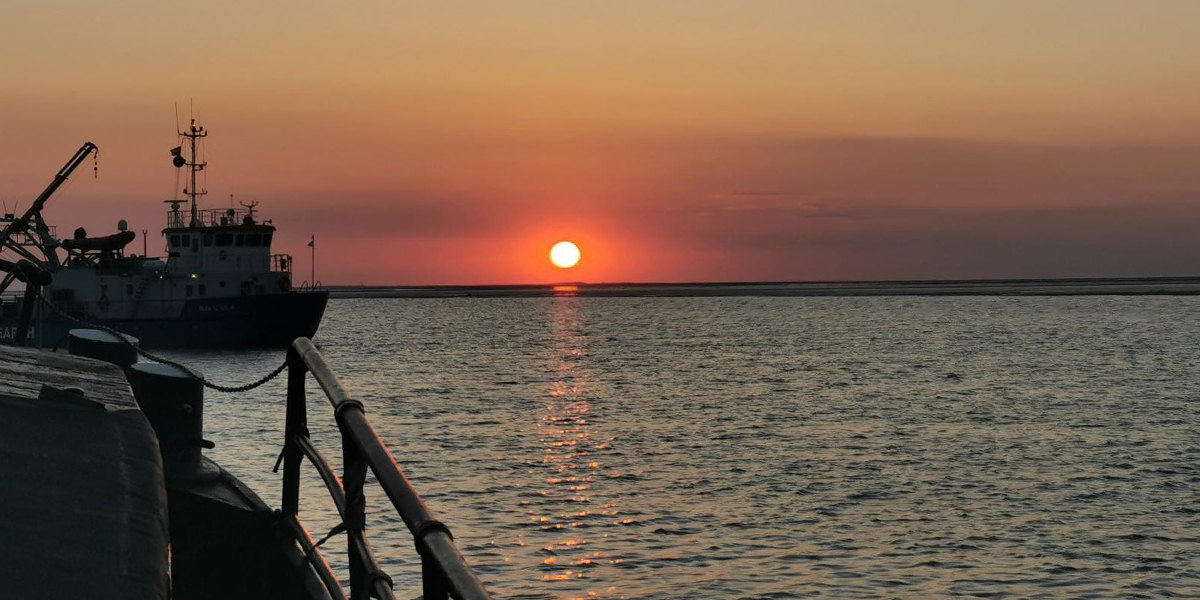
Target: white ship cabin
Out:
[227,243]
[221,253]
[228,248]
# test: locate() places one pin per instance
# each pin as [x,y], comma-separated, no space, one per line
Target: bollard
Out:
[102,345]
[173,402]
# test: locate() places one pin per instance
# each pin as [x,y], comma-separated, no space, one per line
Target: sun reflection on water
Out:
[568,438]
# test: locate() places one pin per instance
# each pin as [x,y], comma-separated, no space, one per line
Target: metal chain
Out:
[166,361]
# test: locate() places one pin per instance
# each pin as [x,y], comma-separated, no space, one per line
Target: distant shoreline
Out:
[1123,286]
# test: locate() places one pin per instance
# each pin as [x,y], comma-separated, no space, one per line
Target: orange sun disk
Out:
[564,255]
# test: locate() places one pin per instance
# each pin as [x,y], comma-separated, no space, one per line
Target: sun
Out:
[564,255]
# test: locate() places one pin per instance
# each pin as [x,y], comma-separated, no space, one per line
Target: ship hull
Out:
[268,320]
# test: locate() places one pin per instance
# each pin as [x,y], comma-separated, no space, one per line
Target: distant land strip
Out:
[1130,286]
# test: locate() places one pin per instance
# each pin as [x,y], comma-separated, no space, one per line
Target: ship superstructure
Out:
[218,285]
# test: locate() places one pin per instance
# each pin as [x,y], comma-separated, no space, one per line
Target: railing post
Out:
[433,583]
[354,477]
[296,424]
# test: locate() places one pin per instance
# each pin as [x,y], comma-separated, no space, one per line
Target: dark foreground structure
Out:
[104,492]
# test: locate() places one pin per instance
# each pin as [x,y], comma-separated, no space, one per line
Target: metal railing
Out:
[23,237]
[208,217]
[444,571]
[281,263]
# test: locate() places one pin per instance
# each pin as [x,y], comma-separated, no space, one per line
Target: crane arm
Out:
[36,208]
[61,177]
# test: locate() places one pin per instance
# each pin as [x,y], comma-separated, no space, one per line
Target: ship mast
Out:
[192,134]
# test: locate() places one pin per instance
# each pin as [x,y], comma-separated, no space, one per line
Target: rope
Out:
[229,389]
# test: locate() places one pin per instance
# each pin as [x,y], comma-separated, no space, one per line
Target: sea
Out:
[763,447]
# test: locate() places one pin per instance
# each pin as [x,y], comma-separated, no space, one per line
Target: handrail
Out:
[281,263]
[445,573]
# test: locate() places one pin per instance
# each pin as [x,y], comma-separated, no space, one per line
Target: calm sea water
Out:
[768,447]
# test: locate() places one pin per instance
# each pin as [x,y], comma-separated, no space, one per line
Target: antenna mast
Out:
[194,133]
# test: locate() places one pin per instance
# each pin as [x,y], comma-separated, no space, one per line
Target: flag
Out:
[177,150]
[312,241]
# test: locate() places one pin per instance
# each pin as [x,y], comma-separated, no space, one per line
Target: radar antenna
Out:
[250,207]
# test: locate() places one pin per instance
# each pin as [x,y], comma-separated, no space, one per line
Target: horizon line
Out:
[924,281]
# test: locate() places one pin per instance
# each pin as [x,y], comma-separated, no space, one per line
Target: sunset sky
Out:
[453,142]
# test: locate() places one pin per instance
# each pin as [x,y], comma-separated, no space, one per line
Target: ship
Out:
[219,285]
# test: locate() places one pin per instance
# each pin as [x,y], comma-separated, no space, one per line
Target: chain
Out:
[166,361]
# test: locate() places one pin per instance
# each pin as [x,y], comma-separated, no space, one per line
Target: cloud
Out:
[774,201]
[772,207]
[841,209]
[404,214]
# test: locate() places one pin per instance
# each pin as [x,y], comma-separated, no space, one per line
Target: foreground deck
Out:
[102,482]
[83,509]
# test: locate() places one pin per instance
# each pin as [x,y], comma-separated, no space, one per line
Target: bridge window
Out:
[174,241]
[129,289]
[203,291]
[208,238]
[253,239]
[188,290]
[224,239]
[266,239]
[185,240]
[241,240]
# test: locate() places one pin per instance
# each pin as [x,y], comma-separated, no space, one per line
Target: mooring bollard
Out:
[173,402]
[105,346]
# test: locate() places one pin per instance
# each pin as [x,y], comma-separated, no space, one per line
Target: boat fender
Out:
[246,287]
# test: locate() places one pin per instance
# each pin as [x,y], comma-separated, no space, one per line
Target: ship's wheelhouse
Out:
[224,241]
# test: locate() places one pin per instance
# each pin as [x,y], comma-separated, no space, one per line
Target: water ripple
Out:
[769,447]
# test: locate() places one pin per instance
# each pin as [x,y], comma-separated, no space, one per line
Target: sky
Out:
[454,141]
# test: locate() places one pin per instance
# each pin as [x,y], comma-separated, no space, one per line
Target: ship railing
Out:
[444,571]
[27,238]
[208,217]
[281,263]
